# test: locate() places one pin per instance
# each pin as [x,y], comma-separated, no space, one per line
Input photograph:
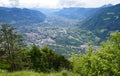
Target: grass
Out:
[31,73]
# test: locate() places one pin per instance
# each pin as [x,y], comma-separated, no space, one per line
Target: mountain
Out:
[107,5]
[18,16]
[104,21]
[77,13]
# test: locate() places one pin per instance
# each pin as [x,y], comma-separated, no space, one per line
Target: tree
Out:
[36,59]
[46,60]
[11,43]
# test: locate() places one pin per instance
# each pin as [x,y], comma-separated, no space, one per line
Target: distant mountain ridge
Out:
[77,13]
[107,5]
[18,16]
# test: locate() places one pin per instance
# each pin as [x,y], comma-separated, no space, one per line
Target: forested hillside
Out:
[104,21]
[20,16]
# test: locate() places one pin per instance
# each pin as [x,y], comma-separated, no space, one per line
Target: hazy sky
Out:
[56,3]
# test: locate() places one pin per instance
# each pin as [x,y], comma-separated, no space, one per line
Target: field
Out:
[31,73]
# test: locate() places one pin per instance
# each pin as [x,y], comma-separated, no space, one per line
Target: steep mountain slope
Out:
[104,21]
[17,16]
[77,13]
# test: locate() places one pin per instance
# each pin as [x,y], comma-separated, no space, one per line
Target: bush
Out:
[104,62]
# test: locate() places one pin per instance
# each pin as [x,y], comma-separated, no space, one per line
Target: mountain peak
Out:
[107,5]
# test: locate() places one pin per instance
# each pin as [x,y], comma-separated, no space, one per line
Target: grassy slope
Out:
[30,73]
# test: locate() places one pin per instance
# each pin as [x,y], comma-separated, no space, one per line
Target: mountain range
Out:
[65,30]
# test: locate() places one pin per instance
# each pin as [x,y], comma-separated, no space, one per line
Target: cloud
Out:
[86,3]
[70,3]
[38,3]
[98,3]
[55,3]
[29,3]
[9,3]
